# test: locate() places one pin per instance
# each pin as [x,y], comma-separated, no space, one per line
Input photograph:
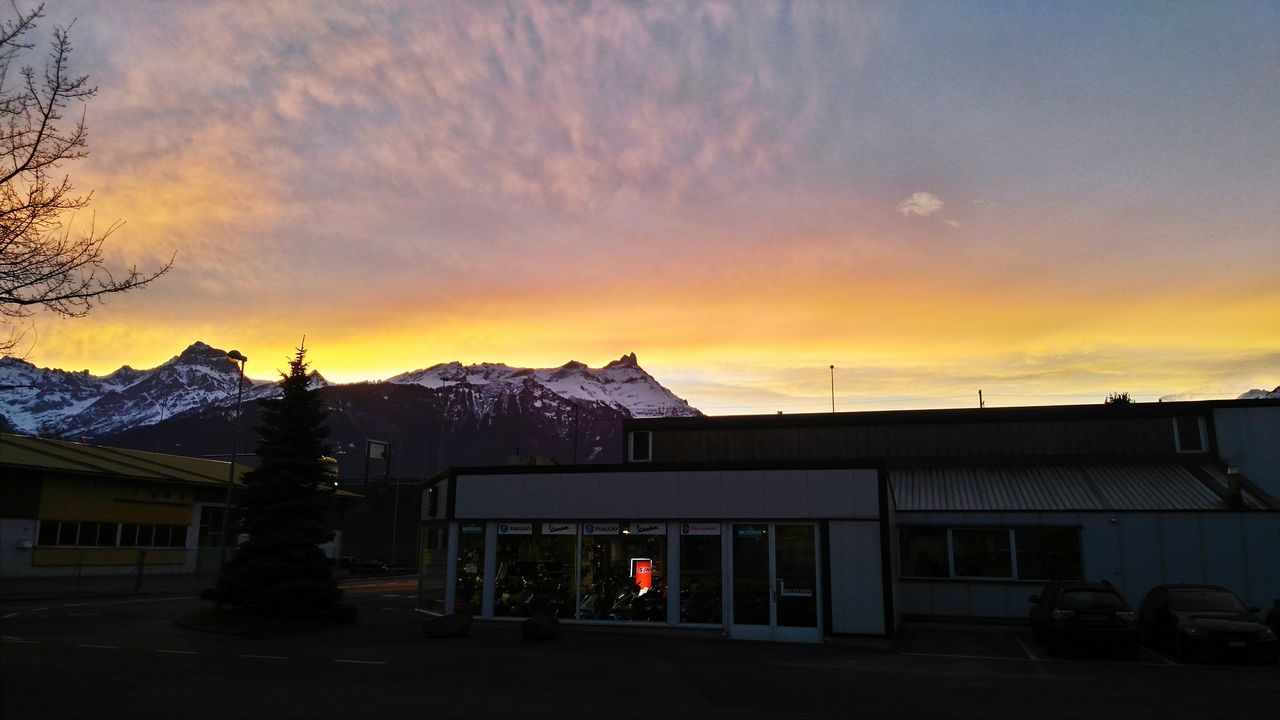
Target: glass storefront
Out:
[623,571]
[468,591]
[534,568]
[620,571]
[434,565]
[701,598]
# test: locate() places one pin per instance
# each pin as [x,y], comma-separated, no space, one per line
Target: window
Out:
[535,565]
[701,598]
[924,552]
[1189,434]
[470,569]
[1049,553]
[981,553]
[641,446]
[63,533]
[1025,553]
[623,571]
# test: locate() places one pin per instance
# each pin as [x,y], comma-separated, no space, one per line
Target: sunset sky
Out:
[1047,201]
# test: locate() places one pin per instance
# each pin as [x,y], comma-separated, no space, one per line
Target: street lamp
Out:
[234,356]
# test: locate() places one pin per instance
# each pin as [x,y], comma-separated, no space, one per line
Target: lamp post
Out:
[235,356]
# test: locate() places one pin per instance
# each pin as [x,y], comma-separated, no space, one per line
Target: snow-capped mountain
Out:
[1258,394]
[622,384]
[77,404]
[74,404]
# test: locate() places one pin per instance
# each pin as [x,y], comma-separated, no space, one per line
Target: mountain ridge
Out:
[63,403]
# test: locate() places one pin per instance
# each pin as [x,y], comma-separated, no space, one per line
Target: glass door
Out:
[775,582]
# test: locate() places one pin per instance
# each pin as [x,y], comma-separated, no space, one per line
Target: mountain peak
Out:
[626,361]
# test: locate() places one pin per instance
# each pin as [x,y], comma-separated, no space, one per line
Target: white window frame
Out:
[1203,431]
[631,445]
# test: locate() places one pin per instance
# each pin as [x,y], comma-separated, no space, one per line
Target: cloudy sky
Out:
[1048,201]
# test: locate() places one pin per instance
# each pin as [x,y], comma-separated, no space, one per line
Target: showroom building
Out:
[800,527]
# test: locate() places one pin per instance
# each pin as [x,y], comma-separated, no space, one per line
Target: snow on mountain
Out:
[76,404]
[621,384]
[1257,394]
[79,404]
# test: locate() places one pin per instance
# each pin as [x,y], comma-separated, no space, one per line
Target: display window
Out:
[434,567]
[701,594]
[623,571]
[469,588]
[534,568]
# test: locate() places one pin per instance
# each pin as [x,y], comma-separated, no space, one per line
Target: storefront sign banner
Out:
[699,528]
[648,528]
[559,528]
[750,532]
[601,528]
[472,529]
[515,528]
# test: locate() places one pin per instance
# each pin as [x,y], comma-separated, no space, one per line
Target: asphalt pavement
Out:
[126,657]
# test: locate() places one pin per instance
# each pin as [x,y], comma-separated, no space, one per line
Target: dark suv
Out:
[1205,622]
[1080,613]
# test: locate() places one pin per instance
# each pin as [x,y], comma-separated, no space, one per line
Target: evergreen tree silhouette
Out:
[284,503]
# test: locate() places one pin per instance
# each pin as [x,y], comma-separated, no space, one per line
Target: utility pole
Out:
[981,403]
[833,388]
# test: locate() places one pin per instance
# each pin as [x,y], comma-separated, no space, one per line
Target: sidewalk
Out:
[88,586]
[14,589]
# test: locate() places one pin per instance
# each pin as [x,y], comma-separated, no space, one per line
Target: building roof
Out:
[947,415]
[81,458]
[1059,488]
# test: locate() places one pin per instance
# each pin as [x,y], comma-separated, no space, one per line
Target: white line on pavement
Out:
[1025,649]
[100,647]
[6,617]
[10,638]
[39,609]
[179,652]
[362,662]
[265,657]
[75,605]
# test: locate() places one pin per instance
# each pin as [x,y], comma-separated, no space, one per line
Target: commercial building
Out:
[70,508]
[797,527]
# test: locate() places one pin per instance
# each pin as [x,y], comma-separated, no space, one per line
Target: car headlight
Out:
[1266,634]
[1062,614]
[1124,615]
[1194,631]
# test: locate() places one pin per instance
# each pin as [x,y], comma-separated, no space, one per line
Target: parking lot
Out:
[126,657]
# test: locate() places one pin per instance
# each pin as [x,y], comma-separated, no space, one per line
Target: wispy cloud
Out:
[923,204]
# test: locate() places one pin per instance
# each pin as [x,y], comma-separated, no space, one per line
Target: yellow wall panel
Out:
[97,500]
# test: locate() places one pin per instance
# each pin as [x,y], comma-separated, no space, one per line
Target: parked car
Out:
[1082,613]
[1205,622]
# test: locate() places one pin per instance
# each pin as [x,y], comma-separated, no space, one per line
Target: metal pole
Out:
[231,471]
[833,388]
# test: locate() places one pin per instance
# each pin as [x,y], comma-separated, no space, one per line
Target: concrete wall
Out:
[17,540]
[1135,551]
[727,494]
[1249,438]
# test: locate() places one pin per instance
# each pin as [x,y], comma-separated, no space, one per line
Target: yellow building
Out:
[71,508]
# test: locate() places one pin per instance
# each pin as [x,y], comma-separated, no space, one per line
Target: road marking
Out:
[6,617]
[1026,649]
[363,662]
[10,638]
[39,609]
[964,657]
[179,652]
[99,647]
[265,657]
[75,605]
[1162,657]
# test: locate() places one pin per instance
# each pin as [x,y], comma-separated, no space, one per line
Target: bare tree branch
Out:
[42,263]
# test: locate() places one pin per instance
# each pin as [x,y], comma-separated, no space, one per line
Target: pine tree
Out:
[283,500]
